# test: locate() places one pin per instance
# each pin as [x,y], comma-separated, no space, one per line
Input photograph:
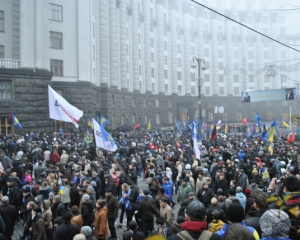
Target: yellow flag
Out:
[149,126]
[285,124]
[270,148]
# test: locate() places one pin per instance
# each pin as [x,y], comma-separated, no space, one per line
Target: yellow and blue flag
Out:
[103,121]
[149,126]
[15,121]
[264,133]
[90,123]
[88,135]
[270,148]
[271,131]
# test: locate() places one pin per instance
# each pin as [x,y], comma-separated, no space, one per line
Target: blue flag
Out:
[15,121]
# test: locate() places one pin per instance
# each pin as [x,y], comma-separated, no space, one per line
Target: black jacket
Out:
[205,196]
[137,235]
[66,231]
[133,195]
[58,210]
[209,212]
[12,193]
[9,215]
[147,209]
[112,207]
[253,221]
[87,212]
[74,197]
[223,184]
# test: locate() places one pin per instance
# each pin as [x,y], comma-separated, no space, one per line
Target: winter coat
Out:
[77,220]
[147,209]
[44,191]
[65,196]
[66,231]
[58,210]
[242,181]
[240,196]
[9,215]
[38,228]
[205,196]
[101,226]
[253,220]
[87,212]
[112,207]
[64,157]
[223,185]
[168,189]
[74,197]
[48,215]
[28,178]
[183,192]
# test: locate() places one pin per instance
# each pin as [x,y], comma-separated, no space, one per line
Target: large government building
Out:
[132,60]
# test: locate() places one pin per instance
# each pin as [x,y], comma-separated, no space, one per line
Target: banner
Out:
[103,139]
[60,109]
[269,95]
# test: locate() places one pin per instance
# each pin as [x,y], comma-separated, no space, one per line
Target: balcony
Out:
[9,63]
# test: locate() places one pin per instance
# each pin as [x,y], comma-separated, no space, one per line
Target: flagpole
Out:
[290,118]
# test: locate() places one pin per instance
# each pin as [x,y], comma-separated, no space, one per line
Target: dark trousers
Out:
[112,229]
[49,233]
[147,227]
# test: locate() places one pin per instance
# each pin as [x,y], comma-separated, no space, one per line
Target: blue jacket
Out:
[168,189]
[240,196]
[241,155]
[222,231]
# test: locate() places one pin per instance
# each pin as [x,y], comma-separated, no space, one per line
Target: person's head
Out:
[30,205]
[232,183]
[184,182]
[125,187]
[160,221]
[241,171]
[127,235]
[146,191]
[161,190]
[195,211]
[275,223]
[180,220]
[162,202]
[10,182]
[235,213]
[205,185]
[86,197]
[67,216]
[216,214]
[56,199]
[260,201]
[86,231]
[239,189]
[85,183]
[253,183]
[237,231]
[108,192]
[100,203]
[191,195]
[213,201]
[133,226]
[74,210]
[222,176]
[35,211]
[291,184]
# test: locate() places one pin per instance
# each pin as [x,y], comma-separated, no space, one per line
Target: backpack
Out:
[234,200]
[205,235]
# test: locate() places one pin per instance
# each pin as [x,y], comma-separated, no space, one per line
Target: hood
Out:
[63,151]
[194,226]
[217,225]
[46,204]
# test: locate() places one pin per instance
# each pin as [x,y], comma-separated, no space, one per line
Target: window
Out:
[193,77]
[152,57]
[1,51]
[140,54]
[221,66]
[178,75]
[166,60]
[5,126]
[249,19]
[178,62]
[193,90]
[235,54]
[206,40]
[179,89]
[166,46]
[220,53]
[5,90]
[178,21]
[235,66]
[56,40]
[165,31]
[152,72]
[153,87]
[251,78]
[266,55]
[207,64]
[133,102]
[178,48]
[251,67]
[238,116]
[166,74]
[236,78]
[221,90]
[1,21]
[236,91]
[221,78]
[151,12]
[56,67]
[156,103]
[206,77]
[207,90]
[206,52]
[56,12]
[152,26]
[157,118]
[250,55]
[165,17]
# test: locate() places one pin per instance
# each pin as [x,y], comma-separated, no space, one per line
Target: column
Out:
[135,46]
[214,56]
[173,48]
[147,46]
[275,82]
[16,29]
[103,43]
[123,44]
[113,44]
[187,51]
[229,57]
[160,46]
[244,56]
[27,45]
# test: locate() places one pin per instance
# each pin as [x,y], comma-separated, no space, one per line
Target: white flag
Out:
[196,148]
[60,109]
[103,139]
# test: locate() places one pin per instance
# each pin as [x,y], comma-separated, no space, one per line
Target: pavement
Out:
[18,231]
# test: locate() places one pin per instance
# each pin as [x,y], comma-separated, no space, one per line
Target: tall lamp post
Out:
[199,62]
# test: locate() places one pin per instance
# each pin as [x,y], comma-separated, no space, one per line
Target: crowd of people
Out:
[63,187]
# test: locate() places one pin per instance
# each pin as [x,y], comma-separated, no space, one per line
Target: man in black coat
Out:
[222,183]
[205,194]
[110,184]
[27,197]
[9,215]
[214,206]
[74,195]
[66,230]
[11,190]
[112,212]
[146,211]
[58,208]
[134,193]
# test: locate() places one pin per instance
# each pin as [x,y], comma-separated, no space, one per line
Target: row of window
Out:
[134,102]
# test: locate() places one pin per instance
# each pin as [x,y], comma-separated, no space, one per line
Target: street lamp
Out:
[199,61]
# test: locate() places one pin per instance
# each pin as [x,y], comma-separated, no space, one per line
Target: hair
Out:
[86,181]
[125,186]
[44,184]
[222,174]
[31,204]
[101,202]
[74,210]
[261,200]
[161,190]
[216,215]
[291,183]
[233,181]
[237,231]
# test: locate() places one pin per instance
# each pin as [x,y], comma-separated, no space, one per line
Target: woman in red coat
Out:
[54,157]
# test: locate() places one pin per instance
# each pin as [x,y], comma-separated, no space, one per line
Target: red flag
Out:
[245,121]
[291,137]
[136,126]
[214,133]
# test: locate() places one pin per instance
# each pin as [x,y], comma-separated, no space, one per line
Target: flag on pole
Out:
[88,135]
[90,123]
[226,128]
[214,133]
[271,131]
[136,126]
[294,118]
[270,148]
[196,148]
[284,123]
[60,109]
[291,137]
[103,139]
[15,121]
[103,121]
[149,126]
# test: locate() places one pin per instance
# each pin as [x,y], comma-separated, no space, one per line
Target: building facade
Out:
[130,60]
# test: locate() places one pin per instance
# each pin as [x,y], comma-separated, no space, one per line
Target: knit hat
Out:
[275,223]
[93,183]
[247,191]
[85,197]
[239,189]
[10,179]
[86,231]
[196,210]
[79,236]
[235,213]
